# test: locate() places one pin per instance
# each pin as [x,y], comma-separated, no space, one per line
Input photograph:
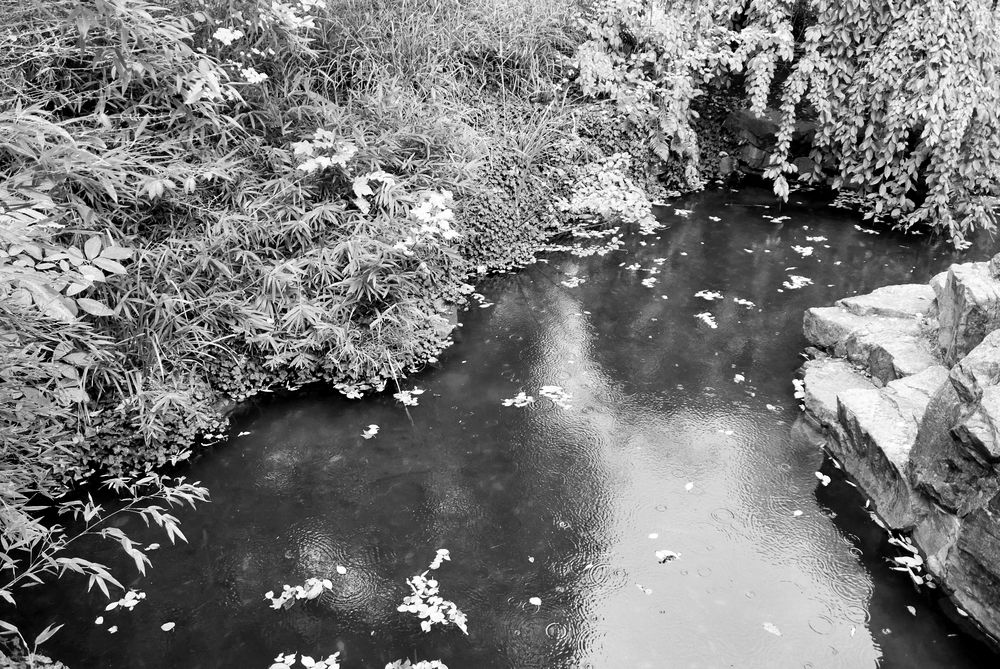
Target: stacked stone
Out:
[906,391]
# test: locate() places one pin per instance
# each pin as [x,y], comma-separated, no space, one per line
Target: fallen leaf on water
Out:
[708,319]
[689,486]
[912,610]
[666,556]
[654,535]
[739,378]
[823,478]
[99,620]
[770,627]
[166,627]
[370,431]
[796,513]
[535,601]
[341,569]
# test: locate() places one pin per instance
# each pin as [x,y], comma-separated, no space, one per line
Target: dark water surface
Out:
[561,504]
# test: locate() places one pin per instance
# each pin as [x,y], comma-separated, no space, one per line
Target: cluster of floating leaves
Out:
[422,664]
[572,281]
[558,396]
[521,400]
[370,431]
[426,603]
[355,391]
[129,601]
[311,589]
[286,660]
[708,295]
[408,397]
[795,281]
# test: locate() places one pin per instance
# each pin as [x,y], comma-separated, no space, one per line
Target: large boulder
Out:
[972,569]
[956,456]
[880,426]
[978,370]
[920,437]
[968,308]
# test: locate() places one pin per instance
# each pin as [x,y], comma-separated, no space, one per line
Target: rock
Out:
[954,474]
[824,378]
[972,570]
[827,327]
[754,158]
[913,393]
[993,267]
[879,434]
[978,430]
[879,428]
[889,356]
[762,131]
[889,347]
[925,447]
[937,283]
[968,309]
[935,534]
[804,165]
[727,165]
[905,301]
[979,369]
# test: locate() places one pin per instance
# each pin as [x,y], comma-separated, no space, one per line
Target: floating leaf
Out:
[772,628]
[166,627]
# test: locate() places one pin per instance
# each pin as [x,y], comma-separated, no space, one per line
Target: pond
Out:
[676,438]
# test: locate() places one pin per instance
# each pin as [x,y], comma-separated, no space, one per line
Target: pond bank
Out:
[909,403]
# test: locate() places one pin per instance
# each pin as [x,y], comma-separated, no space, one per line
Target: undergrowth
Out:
[204,200]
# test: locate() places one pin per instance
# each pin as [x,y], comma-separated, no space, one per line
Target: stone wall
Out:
[904,386]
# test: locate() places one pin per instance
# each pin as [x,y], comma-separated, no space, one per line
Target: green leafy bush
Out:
[904,95]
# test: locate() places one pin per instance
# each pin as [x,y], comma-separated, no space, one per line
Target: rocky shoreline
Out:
[904,387]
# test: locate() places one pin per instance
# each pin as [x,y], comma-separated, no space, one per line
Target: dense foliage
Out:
[202,200]
[904,93]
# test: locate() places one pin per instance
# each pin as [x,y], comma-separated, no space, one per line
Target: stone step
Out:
[823,378]
[908,300]
[888,347]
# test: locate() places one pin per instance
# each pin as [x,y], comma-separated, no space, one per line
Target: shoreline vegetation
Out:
[201,201]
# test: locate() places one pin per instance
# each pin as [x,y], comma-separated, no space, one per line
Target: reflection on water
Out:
[677,439]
